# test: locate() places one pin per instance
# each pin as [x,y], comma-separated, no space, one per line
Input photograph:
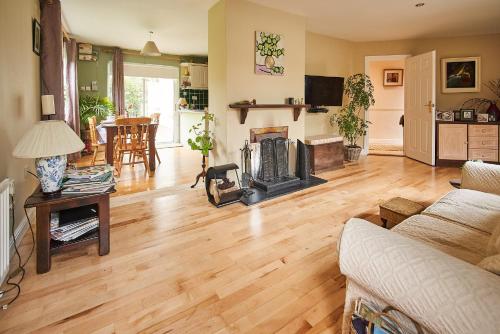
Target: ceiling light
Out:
[420,4]
[150,48]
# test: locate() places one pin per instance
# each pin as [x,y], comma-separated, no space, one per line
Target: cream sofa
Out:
[430,266]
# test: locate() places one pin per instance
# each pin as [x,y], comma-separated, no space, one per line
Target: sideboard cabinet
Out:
[457,142]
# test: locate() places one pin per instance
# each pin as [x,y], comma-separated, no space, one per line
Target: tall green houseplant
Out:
[359,90]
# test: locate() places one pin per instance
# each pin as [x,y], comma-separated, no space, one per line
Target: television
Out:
[323,91]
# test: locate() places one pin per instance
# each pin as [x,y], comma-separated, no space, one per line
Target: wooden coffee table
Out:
[398,209]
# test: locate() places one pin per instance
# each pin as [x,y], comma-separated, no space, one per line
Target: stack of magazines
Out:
[75,229]
[89,180]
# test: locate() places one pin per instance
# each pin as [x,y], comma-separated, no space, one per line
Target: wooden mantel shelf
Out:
[244,108]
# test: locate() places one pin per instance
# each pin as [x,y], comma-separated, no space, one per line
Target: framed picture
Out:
[269,53]
[393,77]
[461,75]
[466,114]
[483,118]
[35,33]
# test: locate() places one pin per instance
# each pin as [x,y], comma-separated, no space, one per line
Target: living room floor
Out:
[179,265]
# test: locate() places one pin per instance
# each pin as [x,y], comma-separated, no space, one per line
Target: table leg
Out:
[152,151]
[103,208]
[110,136]
[42,239]
[203,172]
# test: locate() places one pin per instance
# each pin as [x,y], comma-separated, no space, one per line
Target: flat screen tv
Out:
[324,91]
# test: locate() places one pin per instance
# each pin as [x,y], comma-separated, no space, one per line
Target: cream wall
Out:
[485,46]
[242,19]
[326,56]
[389,104]
[19,92]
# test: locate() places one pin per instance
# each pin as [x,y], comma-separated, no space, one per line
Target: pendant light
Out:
[150,48]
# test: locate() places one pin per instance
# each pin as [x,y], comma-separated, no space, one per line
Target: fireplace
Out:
[265,161]
[272,156]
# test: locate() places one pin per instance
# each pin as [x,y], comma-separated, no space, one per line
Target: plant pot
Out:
[351,153]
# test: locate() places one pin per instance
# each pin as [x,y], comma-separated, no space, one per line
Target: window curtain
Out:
[51,54]
[118,82]
[71,110]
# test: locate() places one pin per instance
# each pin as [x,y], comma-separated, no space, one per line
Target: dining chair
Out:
[94,142]
[132,138]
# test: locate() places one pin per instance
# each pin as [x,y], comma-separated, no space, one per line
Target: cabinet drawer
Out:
[483,154]
[483,130]
[483,142]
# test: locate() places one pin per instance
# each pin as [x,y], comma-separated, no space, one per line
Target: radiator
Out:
[5,188]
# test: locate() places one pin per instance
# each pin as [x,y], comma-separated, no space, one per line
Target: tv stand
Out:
[318,110]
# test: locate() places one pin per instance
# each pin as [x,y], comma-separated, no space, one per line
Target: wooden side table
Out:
[398,209]
[44,205]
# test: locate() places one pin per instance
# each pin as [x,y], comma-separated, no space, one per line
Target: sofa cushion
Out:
[481,176]
[452,238]
[491,263]
[475,209]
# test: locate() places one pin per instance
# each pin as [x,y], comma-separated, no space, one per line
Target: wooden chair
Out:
[94,139]
[132,138]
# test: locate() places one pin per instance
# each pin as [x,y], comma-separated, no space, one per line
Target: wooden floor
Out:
[179,265]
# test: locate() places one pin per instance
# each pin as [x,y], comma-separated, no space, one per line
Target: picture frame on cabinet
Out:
[482,118]
[467,115]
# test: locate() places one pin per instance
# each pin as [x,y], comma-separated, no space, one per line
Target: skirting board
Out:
[20,231]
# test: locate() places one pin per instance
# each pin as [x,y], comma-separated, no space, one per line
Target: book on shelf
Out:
[74,223]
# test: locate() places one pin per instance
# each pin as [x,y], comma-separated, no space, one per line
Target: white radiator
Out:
[5,188]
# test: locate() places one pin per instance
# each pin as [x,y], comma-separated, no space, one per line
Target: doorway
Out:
[385,135]
[154,89]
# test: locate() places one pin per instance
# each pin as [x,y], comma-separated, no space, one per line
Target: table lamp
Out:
[182,103]
[48,142]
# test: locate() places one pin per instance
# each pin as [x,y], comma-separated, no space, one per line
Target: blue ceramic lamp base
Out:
[50,172]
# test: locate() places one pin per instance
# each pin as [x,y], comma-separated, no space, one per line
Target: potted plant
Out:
[203,140]
[100,107]
[90,106]
[359,89]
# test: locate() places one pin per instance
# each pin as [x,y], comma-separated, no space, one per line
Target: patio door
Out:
[420,102]
[151,89]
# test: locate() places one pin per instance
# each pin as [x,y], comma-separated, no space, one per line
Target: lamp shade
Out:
[48,105]
[150,49]
[182,102]
[47,139]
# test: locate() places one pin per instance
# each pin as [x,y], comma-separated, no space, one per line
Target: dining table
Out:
[112,130]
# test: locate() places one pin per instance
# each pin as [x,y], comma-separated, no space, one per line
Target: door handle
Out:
[429,105]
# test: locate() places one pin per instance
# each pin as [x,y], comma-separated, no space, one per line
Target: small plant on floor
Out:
[359,89]
[203,140]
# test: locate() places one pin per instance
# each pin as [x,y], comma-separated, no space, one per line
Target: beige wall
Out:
[328,57]
[19,91]
[242,19]
[389,104]
[485,46]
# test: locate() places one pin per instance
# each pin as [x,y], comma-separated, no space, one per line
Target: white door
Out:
[420,101]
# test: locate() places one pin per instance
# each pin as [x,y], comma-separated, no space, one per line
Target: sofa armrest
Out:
[442,293]
[481,177]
